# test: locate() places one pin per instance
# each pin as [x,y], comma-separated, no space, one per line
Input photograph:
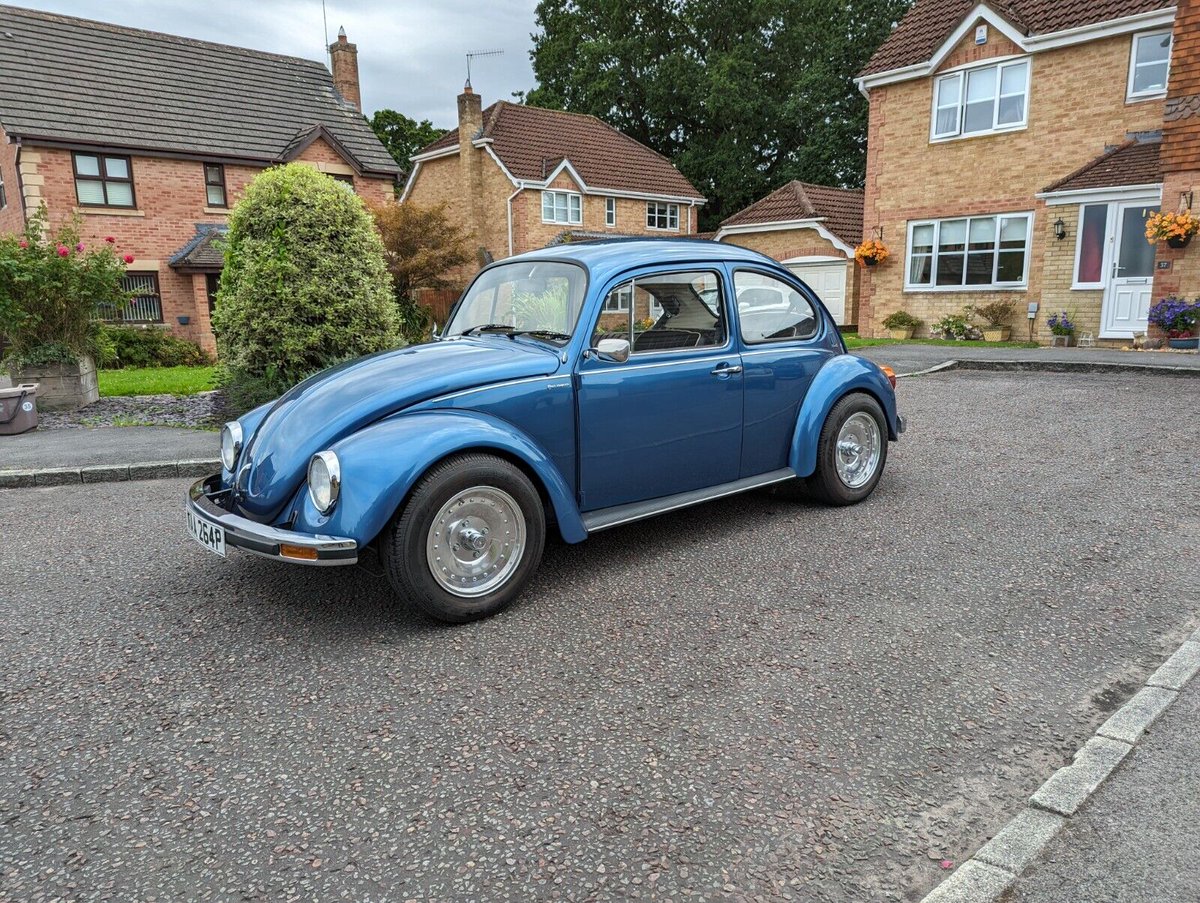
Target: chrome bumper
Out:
[262,539]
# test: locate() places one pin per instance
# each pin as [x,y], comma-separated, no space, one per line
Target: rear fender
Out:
[380,465]
[840,375]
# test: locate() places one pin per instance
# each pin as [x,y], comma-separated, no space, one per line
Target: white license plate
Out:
[209,535]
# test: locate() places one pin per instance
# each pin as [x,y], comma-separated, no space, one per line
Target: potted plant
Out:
[957,326]
[1178,319]
[871,252]
[50,288]
[1061,327]
[900,324]
[996,314]
[1176,229]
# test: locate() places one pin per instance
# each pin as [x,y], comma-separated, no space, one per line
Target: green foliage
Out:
[957,326]
[305,285]
[995,313]
[156,381]
[51,285]
[132,346]
[402,136]
[416,320]
[742,95]
[902,319]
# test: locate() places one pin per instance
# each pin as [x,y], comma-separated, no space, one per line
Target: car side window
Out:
[770,310]
[665,312]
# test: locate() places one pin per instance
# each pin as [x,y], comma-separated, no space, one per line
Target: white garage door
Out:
[828,280]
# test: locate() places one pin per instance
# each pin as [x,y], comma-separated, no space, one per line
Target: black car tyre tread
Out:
[825,485]
[402,546]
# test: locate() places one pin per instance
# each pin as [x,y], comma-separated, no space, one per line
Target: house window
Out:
[981,100]
[1149,65]
[103,181]
[619,299]
[214,184]
[610,211]
[562,207]
[1090,246]
[662,216]
[969,252]
[145,305]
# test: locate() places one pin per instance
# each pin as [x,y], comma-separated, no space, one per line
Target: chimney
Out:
[470,126]
[343,58]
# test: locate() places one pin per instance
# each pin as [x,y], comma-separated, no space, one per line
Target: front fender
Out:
[381,463]
[841,374]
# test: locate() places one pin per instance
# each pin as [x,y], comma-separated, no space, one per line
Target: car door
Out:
[782,350]
[667,419]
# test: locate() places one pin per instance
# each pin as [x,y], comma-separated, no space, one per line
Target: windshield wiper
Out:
[489,327]
[545,333]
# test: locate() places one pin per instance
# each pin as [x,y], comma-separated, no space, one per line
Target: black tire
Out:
[826,484]
[403,546]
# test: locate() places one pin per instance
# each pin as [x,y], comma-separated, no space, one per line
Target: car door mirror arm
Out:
[615,351]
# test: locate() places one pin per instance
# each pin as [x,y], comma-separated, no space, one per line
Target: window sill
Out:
[952,289]
[1008,130]
[1141,98]
[109,211]
[661,229]
[558,222]
[1085,287]
[216,211]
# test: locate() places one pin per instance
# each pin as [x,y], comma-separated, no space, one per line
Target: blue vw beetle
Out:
[575,388]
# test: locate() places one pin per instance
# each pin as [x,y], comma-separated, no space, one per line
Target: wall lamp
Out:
[1060,229]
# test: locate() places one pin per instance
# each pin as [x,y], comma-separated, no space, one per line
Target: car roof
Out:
[606,257]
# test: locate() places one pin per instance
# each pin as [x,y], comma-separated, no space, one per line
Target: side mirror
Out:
[613,350]
[433,331]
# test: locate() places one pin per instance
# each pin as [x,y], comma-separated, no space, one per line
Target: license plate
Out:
[209,535]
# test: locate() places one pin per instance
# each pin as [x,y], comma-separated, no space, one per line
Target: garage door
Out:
[828,280]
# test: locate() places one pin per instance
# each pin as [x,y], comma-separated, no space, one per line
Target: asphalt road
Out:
[751,699]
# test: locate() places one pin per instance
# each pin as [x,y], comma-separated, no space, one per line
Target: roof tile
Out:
[1131,163]
[840,208]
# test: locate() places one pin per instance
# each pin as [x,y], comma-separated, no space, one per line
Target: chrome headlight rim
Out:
[231,444]
[324,481]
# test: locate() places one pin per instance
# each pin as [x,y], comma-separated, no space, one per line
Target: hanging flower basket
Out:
[1176,229]
[871,252]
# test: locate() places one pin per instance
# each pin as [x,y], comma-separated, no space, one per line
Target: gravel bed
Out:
[200,411]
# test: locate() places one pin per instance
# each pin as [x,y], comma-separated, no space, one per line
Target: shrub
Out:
[304,287]
[51,285]
[996,313]
[902,319]
[131,346]
[1175,316]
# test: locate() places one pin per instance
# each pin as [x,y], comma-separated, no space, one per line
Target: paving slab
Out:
[46,449]
[912,358]
[1070,786]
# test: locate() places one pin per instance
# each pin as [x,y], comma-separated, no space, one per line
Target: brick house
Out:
[151,138]
[813,231]
[1015,151]
[518,178]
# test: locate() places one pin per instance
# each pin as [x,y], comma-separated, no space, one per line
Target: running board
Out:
[604,518]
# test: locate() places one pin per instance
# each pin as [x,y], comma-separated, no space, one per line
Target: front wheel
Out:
[468,540]
[851,451]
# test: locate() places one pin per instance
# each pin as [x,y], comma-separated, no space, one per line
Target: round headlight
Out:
[324,480]
[231,444]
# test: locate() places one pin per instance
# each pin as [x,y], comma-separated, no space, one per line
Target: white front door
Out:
[1126,305]
[828,280]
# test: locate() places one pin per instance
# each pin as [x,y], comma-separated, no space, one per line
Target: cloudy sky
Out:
[411,53]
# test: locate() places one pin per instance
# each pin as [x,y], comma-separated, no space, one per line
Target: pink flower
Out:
[128,258]
[79,247]
[63,250]
[110,240]
[23,244]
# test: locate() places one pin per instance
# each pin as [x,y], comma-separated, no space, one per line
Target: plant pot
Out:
[1065,341]
[870,262]
[1179,242]
[64,387]
[1184,344]
[901,333]
[997,333]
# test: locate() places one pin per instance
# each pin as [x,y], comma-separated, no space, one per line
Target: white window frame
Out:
[994,285]
[1110,223]
[653,211]
[610,211]
[573,206]
[962,73]
[624,299]
[1133,96]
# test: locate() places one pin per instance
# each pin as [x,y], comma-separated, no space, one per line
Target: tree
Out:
[423,247]
[402,136]
[742,95]
[304,287]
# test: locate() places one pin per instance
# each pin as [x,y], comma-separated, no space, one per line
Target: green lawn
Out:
[156,381]
[853,341]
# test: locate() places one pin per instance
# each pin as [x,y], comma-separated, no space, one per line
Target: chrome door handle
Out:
[726,369]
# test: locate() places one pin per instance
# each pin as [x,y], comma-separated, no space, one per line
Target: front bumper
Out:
[263,539]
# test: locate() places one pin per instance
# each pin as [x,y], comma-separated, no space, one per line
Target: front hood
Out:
[340,401]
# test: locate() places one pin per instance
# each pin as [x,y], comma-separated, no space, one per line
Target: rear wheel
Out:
[468,540]
[851,452]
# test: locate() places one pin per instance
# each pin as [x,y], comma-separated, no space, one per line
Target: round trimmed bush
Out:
[305,284]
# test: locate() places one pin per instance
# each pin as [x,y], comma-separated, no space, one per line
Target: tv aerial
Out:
[475,55]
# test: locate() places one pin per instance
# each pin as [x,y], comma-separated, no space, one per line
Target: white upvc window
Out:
[619,299]
[610,211]
[968,253]
[1149,65]
[564,207]
[981,100]
[662,216]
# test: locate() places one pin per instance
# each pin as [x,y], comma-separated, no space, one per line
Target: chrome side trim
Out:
[483,388]
[604,518]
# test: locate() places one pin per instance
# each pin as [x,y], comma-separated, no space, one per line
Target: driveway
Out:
[751,699]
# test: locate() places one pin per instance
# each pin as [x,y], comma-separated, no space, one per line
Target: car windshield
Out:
[537,298]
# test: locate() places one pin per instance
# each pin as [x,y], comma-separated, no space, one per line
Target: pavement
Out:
[912,358]
[752,699]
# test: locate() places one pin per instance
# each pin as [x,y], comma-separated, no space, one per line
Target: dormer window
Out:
[1149,65]
[981,101]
